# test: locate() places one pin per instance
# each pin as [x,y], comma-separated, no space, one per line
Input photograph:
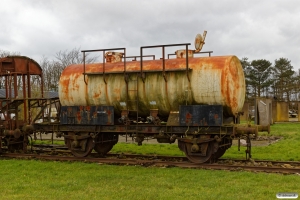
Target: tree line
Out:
[52,68]
[263,79]
[278,81]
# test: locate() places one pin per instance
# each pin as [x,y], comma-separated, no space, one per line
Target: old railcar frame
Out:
[200,142]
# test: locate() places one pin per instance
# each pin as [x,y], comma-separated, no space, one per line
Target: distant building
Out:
[47,94]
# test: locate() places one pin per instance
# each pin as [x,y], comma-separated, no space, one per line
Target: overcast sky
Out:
[255,29]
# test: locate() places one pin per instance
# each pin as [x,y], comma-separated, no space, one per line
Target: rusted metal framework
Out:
[17,72]
[22,79]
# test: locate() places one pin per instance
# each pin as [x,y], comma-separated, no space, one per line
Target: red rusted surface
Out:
[113,57]
[19,65]
[188,118]
[109,122]
[213,80]
[182,53]
[79,117]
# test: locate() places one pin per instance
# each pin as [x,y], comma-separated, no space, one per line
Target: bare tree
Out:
[52,69]
[8,53]
[75,56]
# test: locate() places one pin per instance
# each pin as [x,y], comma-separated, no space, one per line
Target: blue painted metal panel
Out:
[201,115]
[90,115]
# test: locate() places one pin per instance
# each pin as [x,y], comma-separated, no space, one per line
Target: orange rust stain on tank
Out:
[70,76]
[65,84]
[230,81]
[96,95]
[237,73]
[73,69]
[75,86]
[225,90]
[234,72]
[217,63]
[117,91]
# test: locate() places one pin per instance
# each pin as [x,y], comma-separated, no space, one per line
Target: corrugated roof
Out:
[50,94]
[3,93]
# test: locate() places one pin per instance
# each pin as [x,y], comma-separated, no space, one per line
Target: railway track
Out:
[284,167]
[61,149]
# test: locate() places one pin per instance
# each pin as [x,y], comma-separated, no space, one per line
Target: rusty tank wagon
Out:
[194,100]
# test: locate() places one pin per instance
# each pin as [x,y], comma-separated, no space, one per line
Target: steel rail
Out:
[155,162]
[62,149]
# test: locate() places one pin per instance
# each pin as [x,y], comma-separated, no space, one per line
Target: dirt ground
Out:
[260,141]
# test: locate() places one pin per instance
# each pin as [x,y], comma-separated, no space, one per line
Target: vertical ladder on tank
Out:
[135,91]
[154,112]
[132,90]
[104,72]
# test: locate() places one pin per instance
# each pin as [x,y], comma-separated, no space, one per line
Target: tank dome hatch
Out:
[199,41]
[113,57]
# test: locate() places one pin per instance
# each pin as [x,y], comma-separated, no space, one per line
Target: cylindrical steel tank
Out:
[217,80]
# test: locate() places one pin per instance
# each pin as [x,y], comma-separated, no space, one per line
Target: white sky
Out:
[256,29]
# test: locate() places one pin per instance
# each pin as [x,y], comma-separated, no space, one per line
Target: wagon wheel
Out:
[220,152]
[103,148]
[105,142]
[17,144]
[85,147]
[197,157]
[15,147]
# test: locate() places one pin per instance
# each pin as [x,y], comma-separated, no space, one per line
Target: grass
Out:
[148,149]
[29,179]
[286,149]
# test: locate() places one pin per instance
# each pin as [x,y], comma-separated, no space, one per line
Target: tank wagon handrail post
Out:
[163,57]
[126,79]
[141,60]
[163,61]
[103,68]
[84,68]
[187,62]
